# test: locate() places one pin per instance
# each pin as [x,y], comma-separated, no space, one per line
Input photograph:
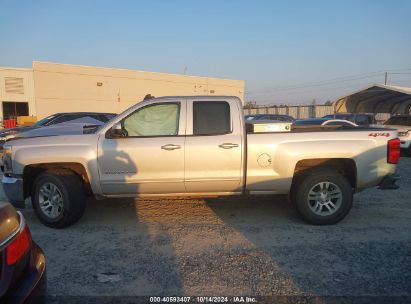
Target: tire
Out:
[322,197]
[408,151]
[68,201]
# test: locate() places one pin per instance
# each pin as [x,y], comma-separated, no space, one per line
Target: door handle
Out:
[170,147]
[228,146]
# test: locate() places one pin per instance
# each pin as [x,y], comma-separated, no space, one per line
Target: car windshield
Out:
[399,121]
[44,121]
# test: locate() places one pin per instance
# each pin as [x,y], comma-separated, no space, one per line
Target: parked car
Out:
[60,118]
[22,262]
[403,124]
[361,119]
[324,122]
[275,117]
[186,146]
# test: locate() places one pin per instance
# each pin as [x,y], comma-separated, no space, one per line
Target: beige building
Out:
[49,88]
[16,92]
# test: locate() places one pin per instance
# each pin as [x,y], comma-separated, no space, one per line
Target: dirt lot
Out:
[248,246]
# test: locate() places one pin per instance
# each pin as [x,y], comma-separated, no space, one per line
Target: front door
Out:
[148,158]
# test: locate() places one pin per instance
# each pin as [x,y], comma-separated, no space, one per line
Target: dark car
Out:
[324,122]
[309,122]
[361,119]
[22,262]
[60,118]
[275,117]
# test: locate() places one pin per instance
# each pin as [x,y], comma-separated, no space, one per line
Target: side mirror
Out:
[117,130]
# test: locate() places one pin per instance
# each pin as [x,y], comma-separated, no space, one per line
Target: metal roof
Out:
[376,99]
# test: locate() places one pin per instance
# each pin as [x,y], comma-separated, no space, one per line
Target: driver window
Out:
[153,120]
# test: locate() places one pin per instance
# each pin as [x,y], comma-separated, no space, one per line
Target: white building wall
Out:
[65,88]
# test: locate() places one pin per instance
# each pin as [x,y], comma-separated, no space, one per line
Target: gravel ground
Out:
[237,246]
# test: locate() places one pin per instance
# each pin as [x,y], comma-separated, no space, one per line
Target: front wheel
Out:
[323,197]
[58,198]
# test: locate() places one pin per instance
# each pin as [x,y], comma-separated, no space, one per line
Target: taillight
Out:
[18,247]
[394,151]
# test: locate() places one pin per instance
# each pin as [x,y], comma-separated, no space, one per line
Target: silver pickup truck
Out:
[198,146]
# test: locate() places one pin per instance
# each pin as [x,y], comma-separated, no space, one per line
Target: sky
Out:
[285,51]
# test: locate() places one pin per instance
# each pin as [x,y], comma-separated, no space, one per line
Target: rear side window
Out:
[100,117]
[211,118]
[65,118]
[107,117]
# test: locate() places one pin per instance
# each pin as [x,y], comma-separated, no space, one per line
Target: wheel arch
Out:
[31,172]
[344,166]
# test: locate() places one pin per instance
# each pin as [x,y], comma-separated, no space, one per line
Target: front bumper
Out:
[13,188]
[31,288]
[389,182]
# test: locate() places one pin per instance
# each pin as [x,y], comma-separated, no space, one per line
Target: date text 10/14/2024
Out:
[234,299]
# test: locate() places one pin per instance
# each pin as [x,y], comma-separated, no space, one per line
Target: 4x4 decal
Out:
[379,134]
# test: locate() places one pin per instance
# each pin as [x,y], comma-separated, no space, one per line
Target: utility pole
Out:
[386,76]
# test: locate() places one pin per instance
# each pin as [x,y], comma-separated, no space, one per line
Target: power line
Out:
[328,82]
[280,98]
[308,86]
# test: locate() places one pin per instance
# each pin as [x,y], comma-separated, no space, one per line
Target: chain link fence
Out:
[298,112]
[308,111]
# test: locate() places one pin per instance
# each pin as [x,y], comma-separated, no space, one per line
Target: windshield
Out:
[399,121]
[43,121]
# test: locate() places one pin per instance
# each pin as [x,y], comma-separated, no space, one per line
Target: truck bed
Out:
[273,157]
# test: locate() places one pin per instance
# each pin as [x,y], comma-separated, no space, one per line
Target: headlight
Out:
[7,159]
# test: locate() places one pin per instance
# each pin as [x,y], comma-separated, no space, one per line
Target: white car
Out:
[323,122]
[339,122]
[403,124]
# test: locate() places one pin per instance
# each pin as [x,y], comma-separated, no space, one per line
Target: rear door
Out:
[214,147]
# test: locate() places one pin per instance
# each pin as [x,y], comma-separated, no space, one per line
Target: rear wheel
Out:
[58,198]
[323,197]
